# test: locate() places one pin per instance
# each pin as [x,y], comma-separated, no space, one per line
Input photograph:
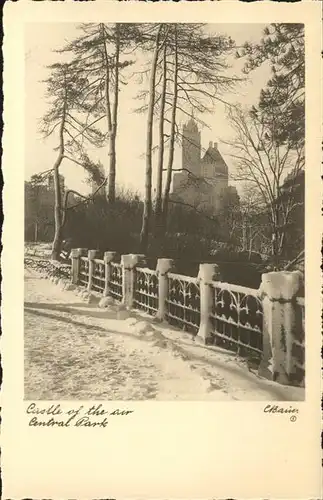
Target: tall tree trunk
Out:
[244,234]
[172,138]
[108,110]
[159,186]
[250,247]
[275,235]
[147,203]
[58,237]
[113,158]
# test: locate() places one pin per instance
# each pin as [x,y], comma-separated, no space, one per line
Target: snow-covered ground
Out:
[76,350]
[39,249]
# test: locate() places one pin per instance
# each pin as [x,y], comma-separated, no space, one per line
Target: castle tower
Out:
[213,164]
[210,189]
[191,147]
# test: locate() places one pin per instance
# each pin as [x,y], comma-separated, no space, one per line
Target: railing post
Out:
[108,258]
[163,268]
[278,292]
[129,263]
[91,256]
[207,273]
[75,269]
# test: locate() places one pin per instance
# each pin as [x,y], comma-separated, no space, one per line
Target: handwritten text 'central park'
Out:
[79,416]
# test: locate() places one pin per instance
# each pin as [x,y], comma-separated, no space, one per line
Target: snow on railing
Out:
[84,271]
[231,316]
[146,290]
[98,280]
[298,347]
[115,281]
[237,318]
[183,302]
[99,275]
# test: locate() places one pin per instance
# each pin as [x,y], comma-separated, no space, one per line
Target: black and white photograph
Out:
[161,282]
[164,211]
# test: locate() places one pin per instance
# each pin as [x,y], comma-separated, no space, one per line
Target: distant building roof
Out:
[214,156]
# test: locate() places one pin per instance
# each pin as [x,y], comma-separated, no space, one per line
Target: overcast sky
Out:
[42,38]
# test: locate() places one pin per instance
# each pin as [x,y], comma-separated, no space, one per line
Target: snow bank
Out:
[122,354]
[106,302]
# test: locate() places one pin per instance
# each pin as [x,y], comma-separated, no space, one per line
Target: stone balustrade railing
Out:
[266,325]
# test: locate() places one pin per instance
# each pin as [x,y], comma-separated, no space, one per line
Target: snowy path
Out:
[75,350]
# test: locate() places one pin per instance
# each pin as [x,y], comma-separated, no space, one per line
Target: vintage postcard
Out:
[161,250]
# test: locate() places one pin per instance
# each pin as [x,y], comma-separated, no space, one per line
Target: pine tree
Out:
[282,101]
[144,234]
[64,88]
[99,56]
[190,78]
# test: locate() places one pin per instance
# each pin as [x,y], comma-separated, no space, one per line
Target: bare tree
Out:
[99,55]
[148,176]
[194,63]
[263,163]
[172,130]
[63,90]
[248,224]
[161,147]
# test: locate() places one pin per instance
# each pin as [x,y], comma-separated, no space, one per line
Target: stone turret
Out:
[208,187]
[191,147]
